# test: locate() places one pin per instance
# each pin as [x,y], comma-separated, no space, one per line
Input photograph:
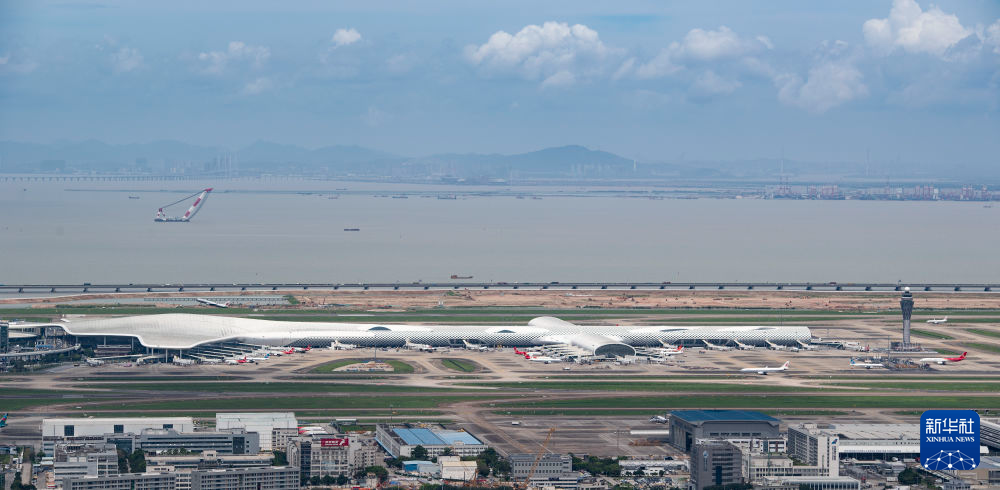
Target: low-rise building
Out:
[271,478]
[209,459]
[333,454]
[551,465]
[128,481]
[689,426]
[88,461]
[399,440]
[262,423]
[453,468]
[715,462]
[92,430]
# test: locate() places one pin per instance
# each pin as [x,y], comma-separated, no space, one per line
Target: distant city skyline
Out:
[724,80]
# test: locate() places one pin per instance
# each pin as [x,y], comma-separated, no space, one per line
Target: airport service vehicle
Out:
[161,216]
[867,365]
[944,360]
[934,321]
[212,303]
[764,370]
[658,419]
[183,362]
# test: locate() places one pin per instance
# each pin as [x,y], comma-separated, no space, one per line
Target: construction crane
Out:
[161,217]
[538,457]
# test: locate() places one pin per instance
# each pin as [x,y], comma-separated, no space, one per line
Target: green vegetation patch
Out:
[462,365]
[291,403]
[256,387]
[651,386]
[987,333]
[929,334]
[985,347]
[772,402]
[399,367]
[990,387]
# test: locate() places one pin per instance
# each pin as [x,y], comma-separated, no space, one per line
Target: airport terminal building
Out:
[178,332]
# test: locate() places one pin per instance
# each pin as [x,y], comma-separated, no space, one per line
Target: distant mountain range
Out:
[563,162]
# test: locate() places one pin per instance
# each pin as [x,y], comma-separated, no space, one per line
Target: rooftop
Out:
[722,415]
[429,437]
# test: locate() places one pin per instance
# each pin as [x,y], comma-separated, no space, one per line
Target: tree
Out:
[122,461]
[380,472]
[315,481]
[446,452]
[137,461]
[342,479]
[419,452]
[909,476]
[328,480]
[279,459]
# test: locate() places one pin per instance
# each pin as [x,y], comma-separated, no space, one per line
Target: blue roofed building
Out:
[687,427]
[399,440]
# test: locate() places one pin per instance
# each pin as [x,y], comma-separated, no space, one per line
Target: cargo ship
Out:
[456,276]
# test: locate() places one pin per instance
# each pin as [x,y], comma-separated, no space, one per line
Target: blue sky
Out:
[657,81]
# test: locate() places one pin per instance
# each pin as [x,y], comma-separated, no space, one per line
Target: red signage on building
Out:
[333,442]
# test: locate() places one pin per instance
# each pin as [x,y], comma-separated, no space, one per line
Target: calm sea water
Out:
[50,234]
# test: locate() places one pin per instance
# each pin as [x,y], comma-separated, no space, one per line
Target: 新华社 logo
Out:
[949,440]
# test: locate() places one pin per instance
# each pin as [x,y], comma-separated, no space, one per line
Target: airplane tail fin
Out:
[963,355]
[680,348]
[786,364]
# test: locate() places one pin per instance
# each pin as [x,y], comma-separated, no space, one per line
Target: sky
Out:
[653,80]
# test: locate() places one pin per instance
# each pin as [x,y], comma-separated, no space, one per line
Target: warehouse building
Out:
[129,481]
[689,426]
[399,440]
[552,465]
[272,478]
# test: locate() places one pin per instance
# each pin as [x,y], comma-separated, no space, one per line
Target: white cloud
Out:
[125,60]
[257,86]
[236,52]
[914,30]
[554,52]
[345,37]
[722,43]
[709,83]
[700,46]
[828,85]
[660,66]
[374,117]
[559,79]
[993,36]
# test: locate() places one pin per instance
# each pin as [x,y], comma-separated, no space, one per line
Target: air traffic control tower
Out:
[906,304]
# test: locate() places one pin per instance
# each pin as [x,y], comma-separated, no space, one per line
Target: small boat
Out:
[352,229]
[133,197]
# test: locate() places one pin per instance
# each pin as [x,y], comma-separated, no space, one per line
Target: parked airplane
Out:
[669,352]
[210,360]
[95,362]
[764,370]
[937,322]
[233,362]
[258,358]
[658,419]
[711,346]
[545,359]
[419,347]
[866,365]
[183,362]
[303,349]
[289,351]
[336,345]
[944,360]
[212,303]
